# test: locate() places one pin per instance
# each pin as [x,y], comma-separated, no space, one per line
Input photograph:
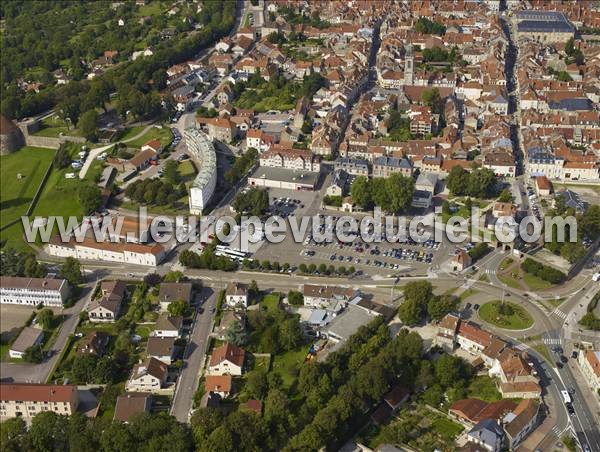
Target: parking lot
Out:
[12,317]
[406,256]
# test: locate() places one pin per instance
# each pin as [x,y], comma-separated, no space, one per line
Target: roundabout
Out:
[506,315]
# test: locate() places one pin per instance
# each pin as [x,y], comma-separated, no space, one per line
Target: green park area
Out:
[164,135]
[53,126]
[506,315]
[20,176]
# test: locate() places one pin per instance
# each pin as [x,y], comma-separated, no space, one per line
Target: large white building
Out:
[33,291]
[203,152]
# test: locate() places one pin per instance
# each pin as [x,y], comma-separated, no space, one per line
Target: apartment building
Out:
[51,292]
[386,166]
[28,399]
[294,159]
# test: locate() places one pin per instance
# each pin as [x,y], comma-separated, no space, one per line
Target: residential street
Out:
[194,357]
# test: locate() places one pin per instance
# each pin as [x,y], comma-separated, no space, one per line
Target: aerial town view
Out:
[300,225]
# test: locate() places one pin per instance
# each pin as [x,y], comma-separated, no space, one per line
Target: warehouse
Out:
[265,176]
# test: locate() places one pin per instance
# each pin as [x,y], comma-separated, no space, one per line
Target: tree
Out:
[360,191]
[401,189]
[70,269]
[171,173]
[276,406]
[33,354]
[438,307]
[88,125]
[90,197]
[48,432]
[173,276]
[236,334]
[410,312]
[206,420]
[457,180]
[290,333]
[449,370]
[45,318]
[295,298]
[256,384]
[13,433]
[419,291]
[177,308]
[433,98]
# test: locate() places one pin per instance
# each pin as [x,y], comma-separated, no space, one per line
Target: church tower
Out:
[409,68]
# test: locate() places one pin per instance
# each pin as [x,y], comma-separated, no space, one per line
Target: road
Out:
[194,353]
[97,151]
[39,373]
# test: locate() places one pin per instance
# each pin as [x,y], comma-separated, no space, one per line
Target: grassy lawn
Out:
[187,170]
[16,194]
[484,278]
[535,283]
[4,351]
[543,350]
[53,126]
[556,302]
[287,365]
[130,133]
[164,135]
[484,388]
[262,363]
[95,171]
[270,302]
[446,428]
[518,320]
[506,262]
[509,281]
[468,293]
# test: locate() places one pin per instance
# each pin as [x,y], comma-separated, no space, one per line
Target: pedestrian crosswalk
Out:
[521,347]
[557,430]
[551,340]
[490,271]
[560,314]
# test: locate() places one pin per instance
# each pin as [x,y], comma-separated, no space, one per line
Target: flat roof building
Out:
[203,187]
[265,176]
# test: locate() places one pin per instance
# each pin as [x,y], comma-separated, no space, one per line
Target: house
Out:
[504,210]
[219,384]
[589,363]
[221,129]
[28,337]
[170,292]
[52,292]
[472,338]
[142,159]
[518,378]
[471,411]
[107,309]
[168,326]
[488,434]
[229,318]
[94,343]
[236,294]
[385,166]
[153,145]
[162,348]
[543,186]
[462,261]
[520,422]
[149,376]
[25,400]
[254,406]
[316,296]
[396,397]
[227,359]
[131,404]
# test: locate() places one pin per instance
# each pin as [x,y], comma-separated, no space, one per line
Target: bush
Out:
[544,272]
[295,298]
[479,251]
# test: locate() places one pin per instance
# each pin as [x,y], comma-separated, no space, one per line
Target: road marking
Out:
[490,271]
[521,347]
[560,314]
[551,341]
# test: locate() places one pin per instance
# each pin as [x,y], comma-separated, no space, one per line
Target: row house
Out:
[385,166]
[293,159]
